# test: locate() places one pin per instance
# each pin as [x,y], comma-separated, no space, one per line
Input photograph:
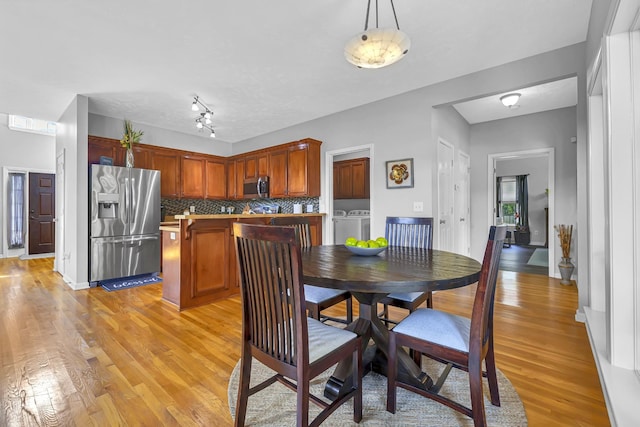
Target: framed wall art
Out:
[400,173]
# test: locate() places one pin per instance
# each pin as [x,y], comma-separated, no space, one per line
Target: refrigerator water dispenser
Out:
[108,205]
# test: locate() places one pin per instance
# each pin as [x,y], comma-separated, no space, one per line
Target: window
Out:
[15,205]
[508,203]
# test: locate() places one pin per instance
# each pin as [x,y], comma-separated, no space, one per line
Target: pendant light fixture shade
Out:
[377,47]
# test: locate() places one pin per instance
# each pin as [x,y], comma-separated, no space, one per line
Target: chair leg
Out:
[477,397]
[490,364]
[357,382]
[302,418]
[314,311]
[243,387]
[392,370]
[349,310]
[430,300]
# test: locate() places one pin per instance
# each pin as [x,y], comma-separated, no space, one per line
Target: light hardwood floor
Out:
[92,357]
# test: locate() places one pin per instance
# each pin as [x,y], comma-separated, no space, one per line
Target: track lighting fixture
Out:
[203,121]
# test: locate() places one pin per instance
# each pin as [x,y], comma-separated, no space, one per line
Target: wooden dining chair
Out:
[458,341]
[317,298]
[276,330]
[414,233]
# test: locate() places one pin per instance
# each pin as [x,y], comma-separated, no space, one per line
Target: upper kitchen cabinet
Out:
[168,163]
[351,179]
[216,179]
[255,166]
[192,184]
[105,147]
[294,169]
[141,157]
[235,178]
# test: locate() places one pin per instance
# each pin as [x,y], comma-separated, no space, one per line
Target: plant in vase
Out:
[130,137]
[566,266]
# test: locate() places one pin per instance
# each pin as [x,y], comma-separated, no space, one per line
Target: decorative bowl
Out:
[365,251]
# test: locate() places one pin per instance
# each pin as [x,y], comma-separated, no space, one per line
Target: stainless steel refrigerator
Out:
[124,224]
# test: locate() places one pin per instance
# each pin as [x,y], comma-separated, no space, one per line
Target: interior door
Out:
[445,196]
[461,205]
[41,213]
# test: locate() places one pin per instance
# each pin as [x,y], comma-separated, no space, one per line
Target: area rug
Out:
[539,257]
[129,282]
[276,405]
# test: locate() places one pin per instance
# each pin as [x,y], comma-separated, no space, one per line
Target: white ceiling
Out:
[534,99]
[260,65]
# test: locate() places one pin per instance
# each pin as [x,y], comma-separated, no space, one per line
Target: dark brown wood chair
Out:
[457,341]
[317,298]
[277,331]
[414,233]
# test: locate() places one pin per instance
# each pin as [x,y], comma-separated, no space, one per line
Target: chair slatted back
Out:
[301,223]
[409,232]
[482,315]
[273,306]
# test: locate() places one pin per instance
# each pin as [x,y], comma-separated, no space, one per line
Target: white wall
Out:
[537,181]
[21,151]
[109,127]
[542,130]
[71,137]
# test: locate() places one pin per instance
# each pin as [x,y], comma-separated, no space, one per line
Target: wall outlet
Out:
[418,206]
[192,209]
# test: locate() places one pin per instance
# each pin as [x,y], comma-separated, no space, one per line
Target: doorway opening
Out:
[360,151]
[535,255]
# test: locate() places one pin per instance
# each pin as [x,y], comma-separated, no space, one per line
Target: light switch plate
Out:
[192,209]
[418,206]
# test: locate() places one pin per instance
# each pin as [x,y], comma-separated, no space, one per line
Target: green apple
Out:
[351,241]
[382,242]
[362,244]
[373,244]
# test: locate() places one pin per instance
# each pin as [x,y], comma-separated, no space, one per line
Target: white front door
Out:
[445,196]
[461,205]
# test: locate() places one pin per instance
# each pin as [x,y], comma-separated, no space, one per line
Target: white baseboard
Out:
[37,256]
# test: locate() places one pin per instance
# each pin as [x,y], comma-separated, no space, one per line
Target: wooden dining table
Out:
[370,279]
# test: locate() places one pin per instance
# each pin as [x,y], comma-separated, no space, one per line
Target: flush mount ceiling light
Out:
[510,100]
[377,47]
[203,121]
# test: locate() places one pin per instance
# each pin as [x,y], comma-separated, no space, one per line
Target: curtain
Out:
[522,189]
[16,210]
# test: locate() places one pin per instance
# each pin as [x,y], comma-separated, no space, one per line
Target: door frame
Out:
[22,253]
[327,230]
[549,153]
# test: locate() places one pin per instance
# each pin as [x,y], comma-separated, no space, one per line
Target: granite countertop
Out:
[226,216]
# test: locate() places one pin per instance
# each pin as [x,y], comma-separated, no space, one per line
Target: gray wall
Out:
[403,126]
[109,127]
[542,130]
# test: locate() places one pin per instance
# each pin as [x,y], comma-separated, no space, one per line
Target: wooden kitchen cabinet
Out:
[168,164]
[216,182]
[351,179]
[192,182]
[295,170]
[256,166]
[107,147]
[235,179]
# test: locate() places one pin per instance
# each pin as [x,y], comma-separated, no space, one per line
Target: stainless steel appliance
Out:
[124,223]
[256,188]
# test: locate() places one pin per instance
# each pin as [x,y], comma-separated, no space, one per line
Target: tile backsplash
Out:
[210,207]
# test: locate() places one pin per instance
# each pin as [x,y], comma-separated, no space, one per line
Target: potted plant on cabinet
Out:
[521,234]
[129,138]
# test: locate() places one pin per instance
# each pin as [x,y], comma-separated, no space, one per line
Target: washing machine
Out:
[355,223]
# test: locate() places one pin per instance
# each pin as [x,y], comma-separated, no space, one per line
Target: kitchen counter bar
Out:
[199,258]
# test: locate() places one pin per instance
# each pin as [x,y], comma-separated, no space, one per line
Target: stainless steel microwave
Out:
[256,188]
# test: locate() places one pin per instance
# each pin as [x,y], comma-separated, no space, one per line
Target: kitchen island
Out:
[199,258]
